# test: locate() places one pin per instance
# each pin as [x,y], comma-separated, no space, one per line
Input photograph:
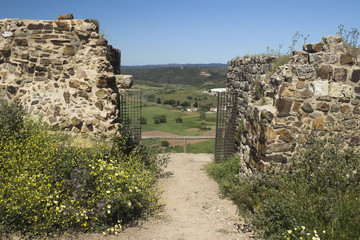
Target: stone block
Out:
[32,26]
[45,61]
[283,105]
[345,109]
[324,71]
[270,133]
[279,158]
[124,81]
[356,110]
[67,97]
[350,124]
[267,115]
[68,16]
[279,147]
[81,74]
[306,93]
[101,94]
[335,107]
[339,90]
[285,135]
[300,85]
[59,42]
[321,87]
[340,74]
[76,122]
[304,70]
[346,59]
[323,106]
[105,80]
[101,42]
[287,90]
[80,85]
[355,76]
[69,50]
[99,105]
[313,47]
[296,106]
[318,123]
[21,42]
[306,107]
[332,39]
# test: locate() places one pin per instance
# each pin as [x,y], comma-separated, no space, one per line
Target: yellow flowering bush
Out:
[47,186]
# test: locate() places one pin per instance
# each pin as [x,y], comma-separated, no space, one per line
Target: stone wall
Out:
[318,88]
[62,71]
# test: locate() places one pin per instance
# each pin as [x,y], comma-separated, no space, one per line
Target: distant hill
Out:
[212,75]
[207,65]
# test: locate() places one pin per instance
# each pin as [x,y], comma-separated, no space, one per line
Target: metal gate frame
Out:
[226,116]
[130,112]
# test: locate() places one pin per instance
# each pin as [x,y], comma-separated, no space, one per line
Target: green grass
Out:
[190,120]
[201,147]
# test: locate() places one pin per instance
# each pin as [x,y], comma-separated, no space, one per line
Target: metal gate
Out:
[225,125]
[130,112]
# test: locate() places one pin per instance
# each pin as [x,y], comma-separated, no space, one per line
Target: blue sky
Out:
[197,31]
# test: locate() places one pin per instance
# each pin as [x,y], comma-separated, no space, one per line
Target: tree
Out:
[185,104]
[158,101]
[196,104]
[178,120]
[159,119]
[165,143]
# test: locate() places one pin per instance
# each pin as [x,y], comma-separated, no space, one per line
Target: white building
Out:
[217,90]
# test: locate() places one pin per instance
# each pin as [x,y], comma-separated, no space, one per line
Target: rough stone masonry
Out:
[318,89]
[62,71]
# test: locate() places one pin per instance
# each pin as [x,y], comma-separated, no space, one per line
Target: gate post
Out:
[225,125]
[130,112]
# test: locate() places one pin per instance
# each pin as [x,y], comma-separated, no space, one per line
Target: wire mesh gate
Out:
[130,112]
[225,125]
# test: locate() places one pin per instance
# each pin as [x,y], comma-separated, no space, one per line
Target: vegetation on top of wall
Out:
[317,197]
[48,186]
[351,38]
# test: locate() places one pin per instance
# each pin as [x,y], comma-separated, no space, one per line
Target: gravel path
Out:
[193,209]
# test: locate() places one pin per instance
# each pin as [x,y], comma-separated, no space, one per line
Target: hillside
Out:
[211,75]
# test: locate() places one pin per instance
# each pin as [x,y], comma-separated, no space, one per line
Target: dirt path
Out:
[193,209]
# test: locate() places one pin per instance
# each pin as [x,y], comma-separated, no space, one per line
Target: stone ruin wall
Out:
[63,72]
[319,88]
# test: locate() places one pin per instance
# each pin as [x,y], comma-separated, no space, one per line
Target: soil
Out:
[192,206]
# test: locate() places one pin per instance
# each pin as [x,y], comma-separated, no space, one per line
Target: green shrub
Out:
[165,143]
[11,118]
[143,120]
[48,187]
[319,192]
[178,120]
[159,119]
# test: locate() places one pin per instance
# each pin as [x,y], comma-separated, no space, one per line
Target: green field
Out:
[190,120]
[177,93]
[191,123]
